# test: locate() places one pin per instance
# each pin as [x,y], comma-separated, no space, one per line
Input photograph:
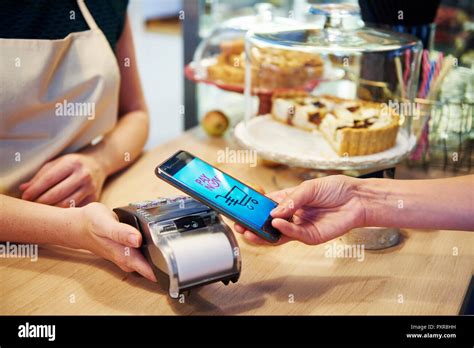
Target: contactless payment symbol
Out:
[237,196]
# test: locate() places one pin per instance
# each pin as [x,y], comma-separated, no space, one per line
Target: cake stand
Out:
[198,74]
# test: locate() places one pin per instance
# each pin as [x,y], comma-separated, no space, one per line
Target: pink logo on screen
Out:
[209,183]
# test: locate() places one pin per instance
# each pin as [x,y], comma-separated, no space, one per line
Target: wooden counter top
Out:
[428,273]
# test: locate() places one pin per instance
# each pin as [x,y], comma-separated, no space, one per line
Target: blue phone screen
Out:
[227,193]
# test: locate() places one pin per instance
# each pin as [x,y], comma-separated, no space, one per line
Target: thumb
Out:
[121,233]
[299,197]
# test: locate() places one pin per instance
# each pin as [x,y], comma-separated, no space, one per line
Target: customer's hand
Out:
[100,232]
[320,210]
[70,180]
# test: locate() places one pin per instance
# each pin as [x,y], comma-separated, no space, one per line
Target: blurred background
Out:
[167,32]
[159,48]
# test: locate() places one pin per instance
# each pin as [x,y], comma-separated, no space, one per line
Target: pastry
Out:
[277,68]
[271,68]
[352,127]
[226,74]
[297,108]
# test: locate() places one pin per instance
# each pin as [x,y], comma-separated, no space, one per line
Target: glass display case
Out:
[219,61]
[340,94]
[202,19]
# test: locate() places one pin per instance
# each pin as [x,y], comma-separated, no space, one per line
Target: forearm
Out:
[27,222]
[124,144]
[432,204]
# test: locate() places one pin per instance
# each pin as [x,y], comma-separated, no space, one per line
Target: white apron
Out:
[56,96]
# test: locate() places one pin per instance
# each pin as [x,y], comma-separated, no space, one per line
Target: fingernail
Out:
[133,239]
[276,210]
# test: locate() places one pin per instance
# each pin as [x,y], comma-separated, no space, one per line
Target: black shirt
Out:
[55,19]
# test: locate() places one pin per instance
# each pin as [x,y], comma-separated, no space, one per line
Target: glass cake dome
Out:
[219,63]
[340,94]
[220,58]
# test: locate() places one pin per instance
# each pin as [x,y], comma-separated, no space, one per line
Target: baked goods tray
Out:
[197,73]
[278,142]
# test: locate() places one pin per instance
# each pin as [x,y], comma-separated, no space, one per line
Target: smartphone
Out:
[221,192]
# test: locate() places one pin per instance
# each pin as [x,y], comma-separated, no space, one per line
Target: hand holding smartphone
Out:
[221,192]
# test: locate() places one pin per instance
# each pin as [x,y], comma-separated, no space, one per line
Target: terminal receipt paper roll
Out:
[202,255]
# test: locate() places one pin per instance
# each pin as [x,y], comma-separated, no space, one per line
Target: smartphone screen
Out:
[230,196]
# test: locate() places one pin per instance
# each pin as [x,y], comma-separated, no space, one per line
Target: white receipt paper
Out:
[201,255]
